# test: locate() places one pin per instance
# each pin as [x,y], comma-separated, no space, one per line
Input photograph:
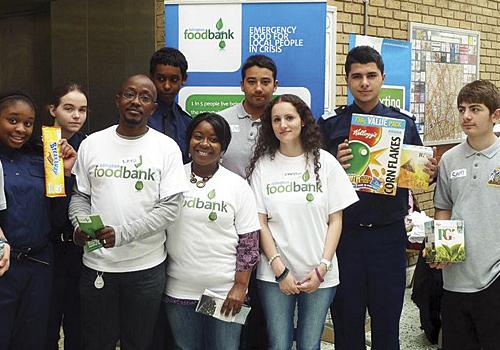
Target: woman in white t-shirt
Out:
[301,191]
[213,244]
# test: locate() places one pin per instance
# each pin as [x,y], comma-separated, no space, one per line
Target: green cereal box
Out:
[375,142]
[444,241]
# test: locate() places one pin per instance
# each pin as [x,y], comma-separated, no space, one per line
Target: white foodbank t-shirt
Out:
[125,179]
[298,209]
[202,242]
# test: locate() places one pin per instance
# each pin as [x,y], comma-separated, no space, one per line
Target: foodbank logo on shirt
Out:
[126,172]
[209,204]
[294,186]
[220,34]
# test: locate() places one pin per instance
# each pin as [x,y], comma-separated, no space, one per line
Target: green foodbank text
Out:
[207,34]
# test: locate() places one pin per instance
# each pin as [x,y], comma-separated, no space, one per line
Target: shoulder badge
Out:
[335,112]
[403,111]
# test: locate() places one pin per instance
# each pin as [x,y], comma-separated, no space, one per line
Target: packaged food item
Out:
[376,143]
[52,161]
[411,172]
[89,224]
[444,241]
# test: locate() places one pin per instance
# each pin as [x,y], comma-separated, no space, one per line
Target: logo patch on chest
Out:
[494,178]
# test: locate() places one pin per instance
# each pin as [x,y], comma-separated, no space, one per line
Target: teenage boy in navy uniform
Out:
[371,251]
[168,70]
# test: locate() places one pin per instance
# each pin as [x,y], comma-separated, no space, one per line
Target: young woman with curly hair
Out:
[301,191]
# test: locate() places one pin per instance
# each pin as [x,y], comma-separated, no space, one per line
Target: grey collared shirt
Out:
[469,185]
[244,132]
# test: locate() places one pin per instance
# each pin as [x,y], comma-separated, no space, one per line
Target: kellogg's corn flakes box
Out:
[375,142]
[444,241]
[411,172]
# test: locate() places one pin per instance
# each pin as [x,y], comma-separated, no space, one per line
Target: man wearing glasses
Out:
[132,176]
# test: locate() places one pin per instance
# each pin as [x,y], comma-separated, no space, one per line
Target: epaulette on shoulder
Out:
[335,112]
[403,111]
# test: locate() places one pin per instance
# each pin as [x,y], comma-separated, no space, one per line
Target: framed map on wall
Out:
[443,60]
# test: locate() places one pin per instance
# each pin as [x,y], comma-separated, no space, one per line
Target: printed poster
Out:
[217,38]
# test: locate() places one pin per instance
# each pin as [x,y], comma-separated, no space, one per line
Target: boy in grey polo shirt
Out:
[258,82]
[468,188]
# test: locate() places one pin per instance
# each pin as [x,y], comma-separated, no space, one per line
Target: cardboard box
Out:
[376,143]
[411,172]
[444,241]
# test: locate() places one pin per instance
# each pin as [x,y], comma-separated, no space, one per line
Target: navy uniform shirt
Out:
[376,209]
[27,220]
[173,122]
[60,220]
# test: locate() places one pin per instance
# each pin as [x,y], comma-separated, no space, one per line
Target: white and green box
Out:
[444,241]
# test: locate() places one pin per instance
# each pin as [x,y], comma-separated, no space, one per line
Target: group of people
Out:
[253,203]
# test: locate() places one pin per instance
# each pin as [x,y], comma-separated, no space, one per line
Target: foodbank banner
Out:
[217,38]
[397,66]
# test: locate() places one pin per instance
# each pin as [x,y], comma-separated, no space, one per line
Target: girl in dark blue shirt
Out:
[68,107]
[26,223]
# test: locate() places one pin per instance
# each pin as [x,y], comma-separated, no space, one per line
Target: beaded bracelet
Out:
[321,279]
[273,258]
[283,275]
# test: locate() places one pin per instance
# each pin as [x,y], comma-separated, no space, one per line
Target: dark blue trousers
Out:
[372,267]
[65,299]
[126,308]
[24,303]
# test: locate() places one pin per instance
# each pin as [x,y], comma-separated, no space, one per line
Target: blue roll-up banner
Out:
[397,68]
[217,38]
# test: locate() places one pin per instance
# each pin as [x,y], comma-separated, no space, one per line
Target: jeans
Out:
[279,311]
[195,331]
[126,308]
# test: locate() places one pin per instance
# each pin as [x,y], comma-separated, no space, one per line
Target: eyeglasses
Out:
[144,99]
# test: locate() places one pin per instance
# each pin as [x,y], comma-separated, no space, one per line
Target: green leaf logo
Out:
[310,197]
[222,44]
[211,194]
[219,24]
[306,176]
[139,185]
[212,216]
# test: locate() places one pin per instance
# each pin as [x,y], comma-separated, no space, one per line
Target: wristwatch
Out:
[2,242]
[327,263]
